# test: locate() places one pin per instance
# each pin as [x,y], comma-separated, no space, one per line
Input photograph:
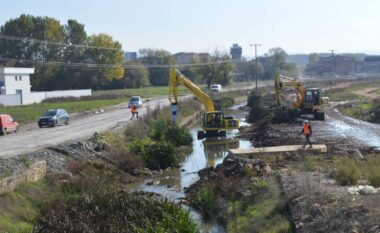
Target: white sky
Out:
[298,26]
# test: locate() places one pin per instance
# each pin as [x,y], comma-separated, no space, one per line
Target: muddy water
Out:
[209,152]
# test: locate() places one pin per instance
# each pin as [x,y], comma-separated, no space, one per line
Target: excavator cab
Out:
[215,124]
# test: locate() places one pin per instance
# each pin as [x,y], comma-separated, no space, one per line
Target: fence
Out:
[38,97]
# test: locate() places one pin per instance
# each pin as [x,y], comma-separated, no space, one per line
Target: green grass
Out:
[143,92]
[346,93]
[348,170]
[31,113]
[19,209]
[359,111]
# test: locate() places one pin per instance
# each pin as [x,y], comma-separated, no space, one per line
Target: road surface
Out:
[32,138]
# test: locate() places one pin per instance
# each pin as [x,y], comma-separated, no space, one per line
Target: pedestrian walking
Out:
[307,132]
[134,111]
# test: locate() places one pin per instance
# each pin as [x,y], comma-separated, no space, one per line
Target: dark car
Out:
[54,117]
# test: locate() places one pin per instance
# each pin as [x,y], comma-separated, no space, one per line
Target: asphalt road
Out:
[32,138]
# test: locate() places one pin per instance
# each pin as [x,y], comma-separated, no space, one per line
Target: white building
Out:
[15,80]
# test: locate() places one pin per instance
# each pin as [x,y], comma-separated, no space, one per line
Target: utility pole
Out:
[255,45]
[332,60]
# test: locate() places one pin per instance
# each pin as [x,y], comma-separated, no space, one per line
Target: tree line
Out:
[62,64]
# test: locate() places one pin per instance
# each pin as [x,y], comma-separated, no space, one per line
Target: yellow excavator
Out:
[214,123]
[308,100]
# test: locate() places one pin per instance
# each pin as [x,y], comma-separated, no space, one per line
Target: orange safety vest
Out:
[306,129]
[133,108]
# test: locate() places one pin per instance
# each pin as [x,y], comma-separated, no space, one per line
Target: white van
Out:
[216,88]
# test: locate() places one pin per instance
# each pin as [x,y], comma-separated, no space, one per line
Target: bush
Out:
[161,130]
[160,155]
[310,164]
[223,102]
[115,211]
[179,136]
[204,201]
[372,171]
[348,171]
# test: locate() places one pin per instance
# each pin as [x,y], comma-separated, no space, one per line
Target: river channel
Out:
[208,152]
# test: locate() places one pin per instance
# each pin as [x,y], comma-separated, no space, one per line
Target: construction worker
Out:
[134,111]
[307,132]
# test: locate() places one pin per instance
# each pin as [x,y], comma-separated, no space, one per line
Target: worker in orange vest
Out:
[307,132]
[134,111]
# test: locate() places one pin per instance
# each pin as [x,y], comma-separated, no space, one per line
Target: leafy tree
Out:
[249,70]
[313,58]
[275,61]
[100,76]
[158,76]
[136,77]
[219,70]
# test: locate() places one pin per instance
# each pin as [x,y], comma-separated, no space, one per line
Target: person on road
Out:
[307,132]
[134,111]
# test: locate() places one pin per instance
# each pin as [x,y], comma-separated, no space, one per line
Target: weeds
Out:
[115,211]
[348,171]
[204,201]
[372,171]
[310,164]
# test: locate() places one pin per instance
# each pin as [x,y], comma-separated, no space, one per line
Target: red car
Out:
[7,124]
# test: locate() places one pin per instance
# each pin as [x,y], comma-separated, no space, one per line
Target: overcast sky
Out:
[298,26]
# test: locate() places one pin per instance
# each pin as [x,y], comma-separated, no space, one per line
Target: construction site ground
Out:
[317,202]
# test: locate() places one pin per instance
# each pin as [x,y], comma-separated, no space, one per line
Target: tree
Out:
[249,70]
[313,58]
[136,77]
[214,69]
[112,56]
[275,62]
[158,76]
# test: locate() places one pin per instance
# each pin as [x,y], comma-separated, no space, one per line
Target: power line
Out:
[36,41]
[114,66]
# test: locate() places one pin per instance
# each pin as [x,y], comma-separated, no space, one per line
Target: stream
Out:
[208,152]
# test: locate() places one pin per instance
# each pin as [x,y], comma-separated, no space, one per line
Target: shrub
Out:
[310,164]
[179,136]
[162,130]
[160,155]
[348,171]
[372,171]
[223,102]
[115,211]
[204,201]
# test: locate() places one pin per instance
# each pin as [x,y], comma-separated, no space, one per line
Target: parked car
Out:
[54,117]
[7,124]
[216,88]
[135,100]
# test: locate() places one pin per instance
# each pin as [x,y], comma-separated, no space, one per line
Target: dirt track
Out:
[32,138]
[354,131]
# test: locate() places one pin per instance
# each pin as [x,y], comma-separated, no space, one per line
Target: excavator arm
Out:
[214,123]
[176,78]
[284,81]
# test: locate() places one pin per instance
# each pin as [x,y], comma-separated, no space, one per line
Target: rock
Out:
[150,183]
[366,190]
[137,172]
[106,146]
[156,182]
[353,190]
[267,169]
[357,154]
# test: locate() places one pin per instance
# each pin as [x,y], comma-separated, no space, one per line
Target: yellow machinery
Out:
[214,123]
[308,100]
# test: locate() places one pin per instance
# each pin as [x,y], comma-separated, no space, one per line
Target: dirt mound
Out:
[231,180]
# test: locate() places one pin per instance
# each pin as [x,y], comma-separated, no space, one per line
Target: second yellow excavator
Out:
[214,123]
[308,100]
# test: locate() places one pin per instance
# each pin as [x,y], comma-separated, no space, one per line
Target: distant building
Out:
[236,51]
[15,80]
[183,58]
[342,65]
[371,64]
[130,56]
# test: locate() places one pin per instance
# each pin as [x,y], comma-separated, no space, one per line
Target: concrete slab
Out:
[321,148]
